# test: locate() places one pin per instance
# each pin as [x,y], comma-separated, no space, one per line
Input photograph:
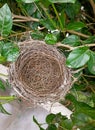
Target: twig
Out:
[92,90]
[86,15]
[89,24]
[58,16]
[78,70]
[72,48]
[93,6]
[89,76]
[85,79]
[2,38]
[22,26]
[64,46]
[7,97]
[18,34]
[88,45]
[48,15]
[1,74]
[21,20]
[77,33]
[24,18]
[39,10]
[13,35]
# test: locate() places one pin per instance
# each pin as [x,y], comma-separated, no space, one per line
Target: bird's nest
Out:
[40,74]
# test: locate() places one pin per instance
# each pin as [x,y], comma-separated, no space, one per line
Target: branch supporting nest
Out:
[72,48]
[40,74]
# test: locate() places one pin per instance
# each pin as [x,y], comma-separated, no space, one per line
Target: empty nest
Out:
[39,74]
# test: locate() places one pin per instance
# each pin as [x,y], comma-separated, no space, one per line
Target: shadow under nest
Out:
[40,74]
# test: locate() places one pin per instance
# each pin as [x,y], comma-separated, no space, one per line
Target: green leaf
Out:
[50,118]
[75,26]
[28,1]
[71,98]
[62,1]
[52,127]
[67,124]
[2,86]
[50,39]
[37,35]
[37,123]
[48,24]
[72,9]
[91,63]
[10,51]
[72,40]
[2,110]
[2,59]
[5,20]
[30,9]
[62,18]
[80,119]
[78,57]
[82,107]
[91,39]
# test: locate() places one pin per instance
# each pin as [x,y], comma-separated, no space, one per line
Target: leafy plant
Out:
[82,118]
[69,26]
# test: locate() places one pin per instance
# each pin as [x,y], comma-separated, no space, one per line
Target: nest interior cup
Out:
[39,74]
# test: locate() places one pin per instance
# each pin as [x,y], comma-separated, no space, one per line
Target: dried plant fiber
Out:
[40,74]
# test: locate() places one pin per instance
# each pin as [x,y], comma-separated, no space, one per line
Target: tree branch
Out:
[19,18]
[77,33]
[93,6]
[64,46]
[72,48]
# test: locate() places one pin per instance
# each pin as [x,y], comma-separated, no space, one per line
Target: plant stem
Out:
[48,15]
[3,75]
[24,18]
[39,10]
[7,97]
[72,48]
[64,46]
[93,6]
[89,76]
[77,33]
[57,16]
[22,26]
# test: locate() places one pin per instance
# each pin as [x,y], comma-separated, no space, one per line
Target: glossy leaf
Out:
[80,119]
[72,9]
[10,51]
[2,110]
[81,107]
[62,1]
[28,1]
[72,40]
[52,127]
[5,20]
[30,8]
[75,25]
[66,124]
[91,63]
[50,39]
[37,35]
[47,23]
[78,57]
[91,39]
[50,118]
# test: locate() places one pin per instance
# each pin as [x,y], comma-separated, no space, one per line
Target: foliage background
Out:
[69,25]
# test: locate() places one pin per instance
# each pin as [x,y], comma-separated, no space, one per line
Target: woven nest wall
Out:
[39,74]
